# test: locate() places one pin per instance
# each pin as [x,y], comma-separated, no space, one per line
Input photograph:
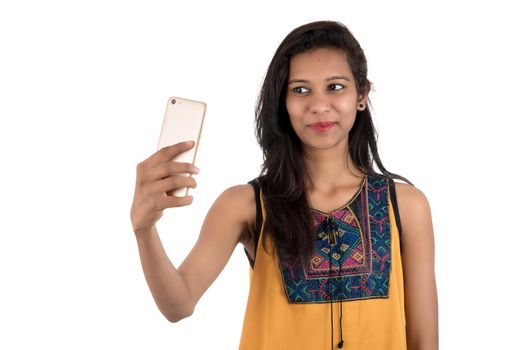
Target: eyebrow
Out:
[336,77]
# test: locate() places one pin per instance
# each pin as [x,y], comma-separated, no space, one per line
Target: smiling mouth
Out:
[322,126]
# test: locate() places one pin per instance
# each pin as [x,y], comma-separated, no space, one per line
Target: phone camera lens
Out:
[173,101]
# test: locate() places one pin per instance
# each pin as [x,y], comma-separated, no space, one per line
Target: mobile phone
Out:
[183,121]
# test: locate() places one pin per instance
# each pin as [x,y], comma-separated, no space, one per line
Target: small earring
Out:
[361,105]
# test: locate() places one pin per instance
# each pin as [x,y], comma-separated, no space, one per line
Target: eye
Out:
[299,90]
[335,87]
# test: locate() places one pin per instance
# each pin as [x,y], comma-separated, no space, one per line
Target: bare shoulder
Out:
[418,266]
[238,202]
[238,194]
[414,209]
[410,196]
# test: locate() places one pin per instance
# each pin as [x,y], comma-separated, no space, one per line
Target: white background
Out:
[83,87]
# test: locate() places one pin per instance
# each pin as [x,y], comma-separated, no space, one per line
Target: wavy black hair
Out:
[283,174]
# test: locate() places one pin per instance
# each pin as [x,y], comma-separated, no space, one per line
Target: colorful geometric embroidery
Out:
[357,237]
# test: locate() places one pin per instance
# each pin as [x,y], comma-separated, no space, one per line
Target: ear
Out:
[362,102]
[363,99]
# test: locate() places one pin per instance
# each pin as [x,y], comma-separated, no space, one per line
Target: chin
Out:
[324,145]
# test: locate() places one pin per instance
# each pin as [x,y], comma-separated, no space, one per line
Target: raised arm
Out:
[176,291]
[418,256]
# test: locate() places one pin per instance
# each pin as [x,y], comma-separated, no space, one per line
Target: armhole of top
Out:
[393,194]
[258,220]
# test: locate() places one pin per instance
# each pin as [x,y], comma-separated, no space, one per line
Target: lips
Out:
[322,126]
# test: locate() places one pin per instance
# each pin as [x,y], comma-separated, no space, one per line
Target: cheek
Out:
[348,109]
[293,112]
[291,107]
[345,103]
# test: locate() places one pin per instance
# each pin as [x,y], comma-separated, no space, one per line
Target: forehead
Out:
[319,62]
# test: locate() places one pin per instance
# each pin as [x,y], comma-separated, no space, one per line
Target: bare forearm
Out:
[165,282]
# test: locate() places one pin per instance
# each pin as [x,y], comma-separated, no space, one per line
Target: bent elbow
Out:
[173,318]
[177,315]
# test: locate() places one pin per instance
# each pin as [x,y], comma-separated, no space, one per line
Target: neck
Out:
[330,168]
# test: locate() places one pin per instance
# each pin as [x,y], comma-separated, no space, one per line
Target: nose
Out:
[319,105]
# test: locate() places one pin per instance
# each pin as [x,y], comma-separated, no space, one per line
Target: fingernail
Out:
[196,169]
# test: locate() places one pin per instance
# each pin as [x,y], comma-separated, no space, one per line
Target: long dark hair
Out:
[283,174]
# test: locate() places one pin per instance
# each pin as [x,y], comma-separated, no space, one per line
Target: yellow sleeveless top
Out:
[356,273]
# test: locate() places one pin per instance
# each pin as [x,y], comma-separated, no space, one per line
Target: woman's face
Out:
[322,98]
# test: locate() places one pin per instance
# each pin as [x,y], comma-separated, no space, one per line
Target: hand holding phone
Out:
[156,176]
[183,121]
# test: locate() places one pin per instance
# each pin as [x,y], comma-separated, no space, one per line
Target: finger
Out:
[171,168]
[172,201]
[168,152]
[174,182]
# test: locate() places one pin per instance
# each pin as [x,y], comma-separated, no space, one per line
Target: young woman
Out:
[341,255]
